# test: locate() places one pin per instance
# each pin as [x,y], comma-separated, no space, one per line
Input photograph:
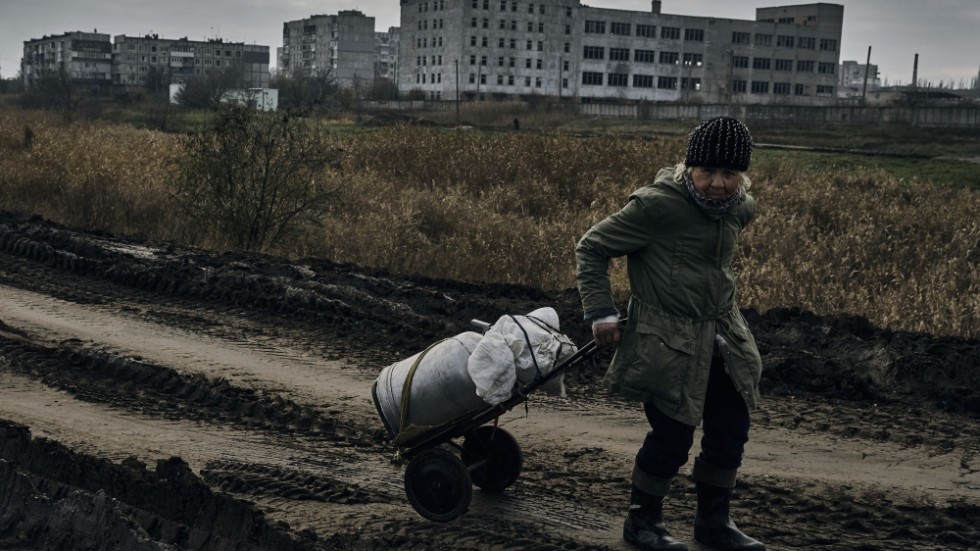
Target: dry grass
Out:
[509,207]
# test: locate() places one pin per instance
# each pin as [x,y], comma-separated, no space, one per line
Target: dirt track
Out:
[160,398]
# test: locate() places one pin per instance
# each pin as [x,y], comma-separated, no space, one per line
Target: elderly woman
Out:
[685,351]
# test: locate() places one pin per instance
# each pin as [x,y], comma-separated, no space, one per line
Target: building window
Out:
[593,52]
[691,84]
[483,42]
[473,22]
[483,79]
[646,31]
[568,12]
[806,43]
[513,24]
[784,65]
[540,45]
[780,88]
[591,79]
[513,6]
[472,60]
[644,56]
[741,38]
[540,27]
[669,58]
[472,41]
[530,8]
[527,81]
[760,87]
[568,47]
[740,62]
[595,27]
[798,90]
[486,23]
[763,39]
[670,33]
[537,82]
[512,61]
[619,54]
[763,63]
[618,79]
[538,64]
[642,81]
[513,43]
[693,60]
[510,80]
[783,41]
[527,63]
[826,68]
[828,45]
[667,83]
[530,26]
[472,78]
[738,86]
[622,29]
[500,62]
[804,66]
[500,42]
[694,35]
[564,83]
[824,90]
[483,60]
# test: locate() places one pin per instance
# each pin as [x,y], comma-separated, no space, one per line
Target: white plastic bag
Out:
[515,350]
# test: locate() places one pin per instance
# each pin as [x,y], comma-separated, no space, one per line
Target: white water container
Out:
[441,389]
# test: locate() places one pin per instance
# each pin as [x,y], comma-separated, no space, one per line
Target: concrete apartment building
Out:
[520,48]
[344,46]
[852,78]
[83,57]
[131,62]
[139,61]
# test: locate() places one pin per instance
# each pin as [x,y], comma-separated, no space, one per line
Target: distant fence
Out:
[934,116]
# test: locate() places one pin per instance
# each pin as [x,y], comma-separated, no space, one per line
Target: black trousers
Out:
[725,431]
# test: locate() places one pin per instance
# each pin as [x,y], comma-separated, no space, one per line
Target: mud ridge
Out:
[101,377]
[79,502]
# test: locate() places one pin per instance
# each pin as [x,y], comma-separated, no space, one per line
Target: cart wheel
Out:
[438,485]
[502,455]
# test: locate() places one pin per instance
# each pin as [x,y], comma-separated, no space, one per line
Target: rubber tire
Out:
[438,485]
[504,454]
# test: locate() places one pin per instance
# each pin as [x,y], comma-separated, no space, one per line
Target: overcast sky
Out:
[945,33]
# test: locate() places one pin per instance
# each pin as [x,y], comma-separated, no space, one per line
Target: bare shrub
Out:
[250,176]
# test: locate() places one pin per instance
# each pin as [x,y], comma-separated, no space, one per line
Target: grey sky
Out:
[943,32]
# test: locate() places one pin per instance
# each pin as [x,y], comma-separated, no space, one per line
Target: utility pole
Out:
[456,61]
[867,67]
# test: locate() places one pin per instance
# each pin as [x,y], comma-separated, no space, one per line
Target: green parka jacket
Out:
[683,294]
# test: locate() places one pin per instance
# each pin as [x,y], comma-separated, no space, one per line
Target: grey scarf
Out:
[714,207]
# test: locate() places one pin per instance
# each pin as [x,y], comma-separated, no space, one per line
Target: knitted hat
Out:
[721,142]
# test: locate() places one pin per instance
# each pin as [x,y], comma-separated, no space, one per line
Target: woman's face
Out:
[716,183]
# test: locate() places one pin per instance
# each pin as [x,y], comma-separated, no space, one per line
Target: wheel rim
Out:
[438,485]
[494,457]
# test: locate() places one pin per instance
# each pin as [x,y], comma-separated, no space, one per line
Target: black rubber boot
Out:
[644,526]
[712,525]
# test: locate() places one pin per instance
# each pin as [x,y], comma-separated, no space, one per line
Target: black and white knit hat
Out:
[721,142]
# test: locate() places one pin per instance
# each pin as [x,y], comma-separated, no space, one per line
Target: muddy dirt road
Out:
[153,397]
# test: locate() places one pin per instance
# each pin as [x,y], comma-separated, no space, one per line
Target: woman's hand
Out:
[607,334]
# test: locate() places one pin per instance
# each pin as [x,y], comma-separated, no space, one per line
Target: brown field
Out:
[509,206]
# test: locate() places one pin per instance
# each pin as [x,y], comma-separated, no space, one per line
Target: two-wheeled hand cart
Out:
[438,481]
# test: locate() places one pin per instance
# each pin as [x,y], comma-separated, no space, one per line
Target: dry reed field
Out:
[509,207]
